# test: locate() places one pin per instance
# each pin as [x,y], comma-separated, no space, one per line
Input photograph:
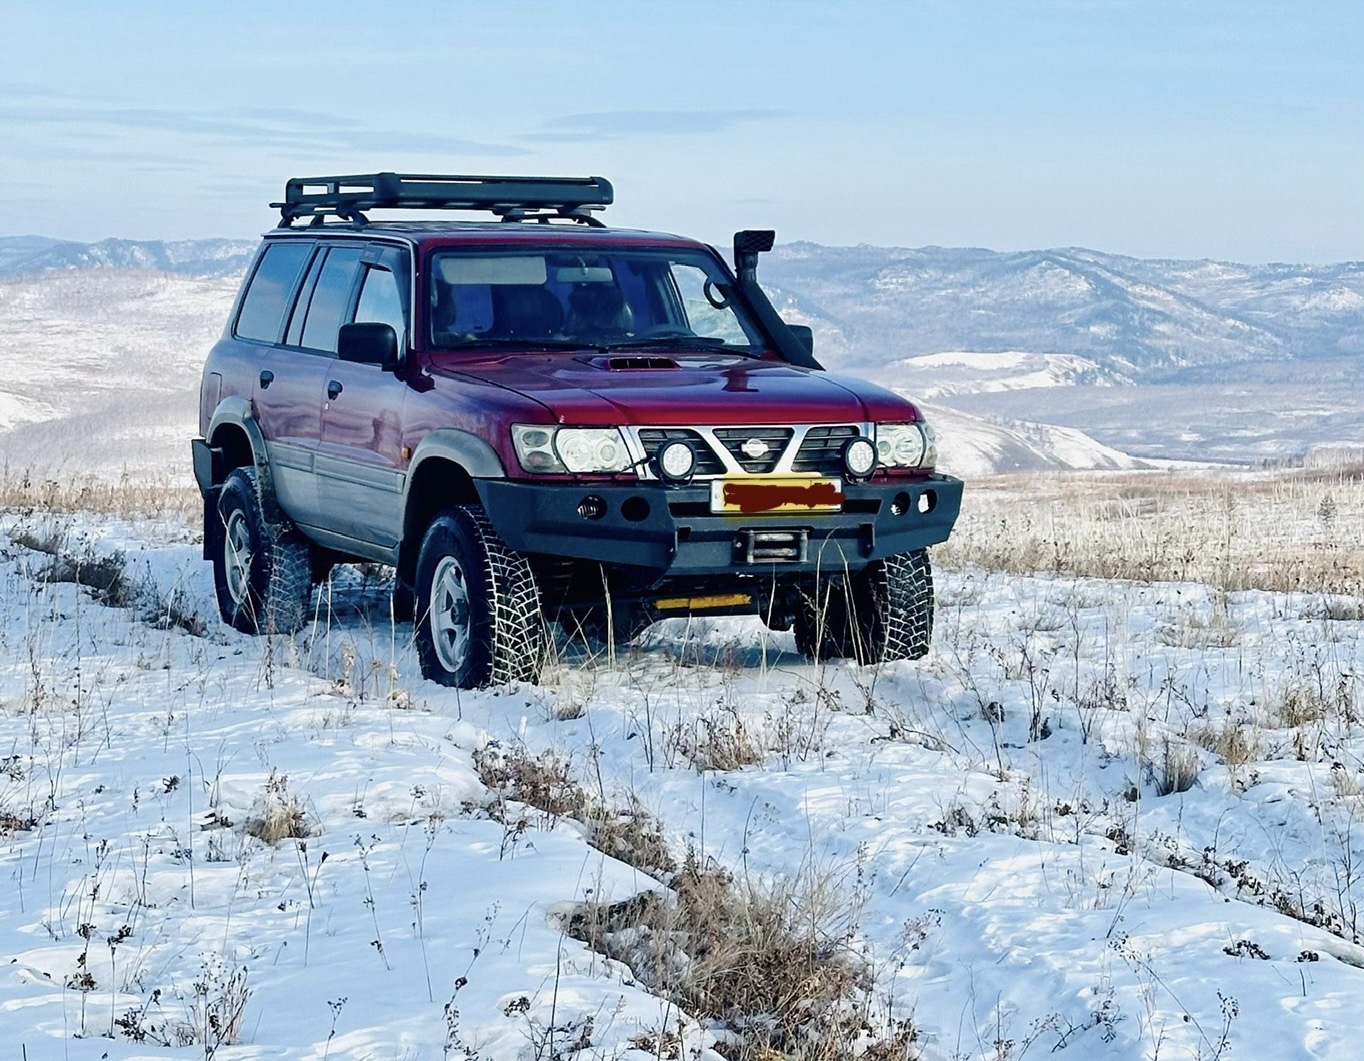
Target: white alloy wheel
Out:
[237,557]
[450,620]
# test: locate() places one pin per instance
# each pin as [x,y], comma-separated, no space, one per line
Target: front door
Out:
[360,463]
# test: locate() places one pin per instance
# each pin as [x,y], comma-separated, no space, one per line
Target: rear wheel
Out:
[478,619]
[881,614]
[262,571]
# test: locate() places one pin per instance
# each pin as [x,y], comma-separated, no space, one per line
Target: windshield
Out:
[611,299]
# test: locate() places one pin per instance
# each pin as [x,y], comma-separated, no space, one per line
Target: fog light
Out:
[859,457]
[677,461]
[592,507]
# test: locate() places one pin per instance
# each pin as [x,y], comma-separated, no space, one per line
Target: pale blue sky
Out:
[1217,129]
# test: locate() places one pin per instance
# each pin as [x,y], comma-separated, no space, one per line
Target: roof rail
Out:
[510,198]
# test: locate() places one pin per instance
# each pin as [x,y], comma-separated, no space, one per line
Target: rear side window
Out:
[267,298]
[331,298]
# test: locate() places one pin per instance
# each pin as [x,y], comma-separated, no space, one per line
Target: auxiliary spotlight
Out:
[859,458]
[677,461]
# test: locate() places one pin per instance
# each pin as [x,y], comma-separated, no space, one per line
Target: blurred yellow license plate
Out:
[760,495]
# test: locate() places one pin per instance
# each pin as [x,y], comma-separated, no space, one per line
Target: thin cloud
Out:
[367,140]
[291,129]
[611,125]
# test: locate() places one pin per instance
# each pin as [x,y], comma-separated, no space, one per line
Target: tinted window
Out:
[381,302]
[331,298]
[294,336]
[618,297]
[267,299]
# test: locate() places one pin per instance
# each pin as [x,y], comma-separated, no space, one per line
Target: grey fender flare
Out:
[237,412]
[464,448]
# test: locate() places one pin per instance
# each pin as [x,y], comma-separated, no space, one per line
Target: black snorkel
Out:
[795,343]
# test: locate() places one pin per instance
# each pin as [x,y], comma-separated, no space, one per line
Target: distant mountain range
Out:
[24,255]
[1157,358]
[1136,320]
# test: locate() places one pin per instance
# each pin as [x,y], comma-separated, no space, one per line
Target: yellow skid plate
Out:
[761,495]
[691,604]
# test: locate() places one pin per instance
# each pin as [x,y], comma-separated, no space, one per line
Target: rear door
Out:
[285,382]
[360,461]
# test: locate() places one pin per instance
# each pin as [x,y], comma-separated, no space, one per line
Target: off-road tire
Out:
[506,630]
[275,586]
[881,614]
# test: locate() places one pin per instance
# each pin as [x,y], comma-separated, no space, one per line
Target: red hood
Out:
[710,389]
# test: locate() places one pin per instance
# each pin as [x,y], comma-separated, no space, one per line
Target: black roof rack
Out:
[510,198]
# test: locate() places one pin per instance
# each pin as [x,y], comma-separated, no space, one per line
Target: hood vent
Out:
[632,363]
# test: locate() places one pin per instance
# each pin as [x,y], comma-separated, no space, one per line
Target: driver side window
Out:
[381,302]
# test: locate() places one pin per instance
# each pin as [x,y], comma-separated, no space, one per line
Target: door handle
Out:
[266,378]
[334,389]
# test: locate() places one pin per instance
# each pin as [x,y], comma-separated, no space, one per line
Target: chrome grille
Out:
[653,439]
[822,450]
[734,439]
[802,450]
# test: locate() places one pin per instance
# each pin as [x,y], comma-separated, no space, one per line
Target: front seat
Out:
[525,311]
[597,312]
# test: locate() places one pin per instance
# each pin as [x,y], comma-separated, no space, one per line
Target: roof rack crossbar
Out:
[511,198]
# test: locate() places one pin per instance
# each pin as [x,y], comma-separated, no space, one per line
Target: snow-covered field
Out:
[1105,818]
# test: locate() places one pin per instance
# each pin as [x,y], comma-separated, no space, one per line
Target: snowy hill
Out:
[25,255]
[1135,318]
[974,446]
[99,368]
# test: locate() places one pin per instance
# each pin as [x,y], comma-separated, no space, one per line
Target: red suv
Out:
[538,418]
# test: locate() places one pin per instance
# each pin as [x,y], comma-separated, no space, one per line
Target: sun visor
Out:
[501,269]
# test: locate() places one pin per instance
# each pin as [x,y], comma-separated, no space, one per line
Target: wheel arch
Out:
[235,433]
[442,474]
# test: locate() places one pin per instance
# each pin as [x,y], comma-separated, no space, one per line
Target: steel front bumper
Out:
[672,531]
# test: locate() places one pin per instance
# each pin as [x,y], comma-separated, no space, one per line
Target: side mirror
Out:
[805,335]
[368,344]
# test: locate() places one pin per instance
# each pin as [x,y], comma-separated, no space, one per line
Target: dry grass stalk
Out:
[1234,530]
[126,497]
[717,740]
[770,964]
[279,814]
[546,784]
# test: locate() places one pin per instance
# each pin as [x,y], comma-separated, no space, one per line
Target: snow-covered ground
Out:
[934,376]
[1102,819]
[973,447]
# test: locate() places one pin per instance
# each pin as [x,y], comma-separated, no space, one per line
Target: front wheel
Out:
[478,619]
[881,614]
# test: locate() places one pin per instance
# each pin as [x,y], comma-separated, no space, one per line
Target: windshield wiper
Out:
[496,342]
[708,342]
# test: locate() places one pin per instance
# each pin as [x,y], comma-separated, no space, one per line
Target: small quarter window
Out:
[267,298]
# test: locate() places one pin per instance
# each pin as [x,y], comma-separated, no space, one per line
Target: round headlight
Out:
[676,461]
[591,449]
[859,457]
[575,450]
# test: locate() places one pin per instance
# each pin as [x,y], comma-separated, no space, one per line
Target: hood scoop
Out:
[632,363]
